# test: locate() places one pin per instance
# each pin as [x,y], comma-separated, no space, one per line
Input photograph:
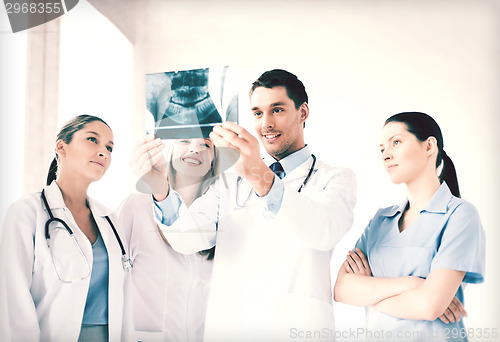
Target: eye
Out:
[382,150]
[257,114]
[94,140]
[184,141]
[396,142]
[205,145]
[277,110]
[109,148]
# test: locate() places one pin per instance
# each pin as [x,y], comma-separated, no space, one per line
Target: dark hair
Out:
[66,135]
[423,126]
[281,78]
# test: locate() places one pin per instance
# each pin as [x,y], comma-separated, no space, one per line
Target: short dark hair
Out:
[281,78]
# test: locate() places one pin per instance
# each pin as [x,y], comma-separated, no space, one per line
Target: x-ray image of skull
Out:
[190,102]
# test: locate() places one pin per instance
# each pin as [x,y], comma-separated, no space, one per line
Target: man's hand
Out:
[255,171]
[147,162]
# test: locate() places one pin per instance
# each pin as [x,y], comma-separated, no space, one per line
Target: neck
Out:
[289,152]
[421,190]
[74,192]
[188,188]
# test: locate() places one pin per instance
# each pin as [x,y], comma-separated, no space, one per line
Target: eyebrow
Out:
[395,135]
[276,104]
[95,133]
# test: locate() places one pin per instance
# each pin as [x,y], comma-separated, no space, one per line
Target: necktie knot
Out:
[277,168]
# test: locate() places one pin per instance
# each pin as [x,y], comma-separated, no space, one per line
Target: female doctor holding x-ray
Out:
[65,265]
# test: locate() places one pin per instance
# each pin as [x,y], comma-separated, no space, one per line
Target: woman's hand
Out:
[453,312]
[356,263]
[147,162]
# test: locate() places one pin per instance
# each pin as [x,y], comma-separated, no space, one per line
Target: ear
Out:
[304,112]
[431,146]
[60,148]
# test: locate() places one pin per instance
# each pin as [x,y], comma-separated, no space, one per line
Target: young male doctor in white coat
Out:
[274,233]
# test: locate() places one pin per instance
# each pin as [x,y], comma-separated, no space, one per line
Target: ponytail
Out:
[449,175]
[52,175]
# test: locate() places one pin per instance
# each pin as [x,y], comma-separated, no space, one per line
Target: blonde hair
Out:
[208,179]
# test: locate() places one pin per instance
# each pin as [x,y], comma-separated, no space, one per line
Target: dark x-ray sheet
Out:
[188,103]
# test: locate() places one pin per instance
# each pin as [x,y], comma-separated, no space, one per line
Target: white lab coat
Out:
[34,304]
[271,279]
[170,290]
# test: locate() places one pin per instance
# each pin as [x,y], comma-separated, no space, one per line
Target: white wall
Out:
[361,61]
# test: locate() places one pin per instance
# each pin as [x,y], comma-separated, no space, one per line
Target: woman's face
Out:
[403,155]
[88,154]
[192,157]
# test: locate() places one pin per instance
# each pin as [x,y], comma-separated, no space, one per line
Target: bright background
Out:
[361,61]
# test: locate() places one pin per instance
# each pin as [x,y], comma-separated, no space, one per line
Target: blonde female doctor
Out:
[64,266]
[170,290]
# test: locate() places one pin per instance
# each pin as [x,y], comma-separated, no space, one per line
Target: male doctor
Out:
[274,226]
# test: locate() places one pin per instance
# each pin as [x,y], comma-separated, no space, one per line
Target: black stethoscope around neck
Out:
[126,262]
[303,185]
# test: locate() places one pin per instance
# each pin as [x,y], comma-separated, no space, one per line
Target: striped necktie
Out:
[277,169]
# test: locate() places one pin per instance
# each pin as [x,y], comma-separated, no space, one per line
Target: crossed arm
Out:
[403,297]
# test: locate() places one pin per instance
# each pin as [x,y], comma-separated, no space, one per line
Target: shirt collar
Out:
[293,160]
[437,204]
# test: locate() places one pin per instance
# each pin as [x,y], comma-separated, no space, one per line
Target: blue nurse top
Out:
[447,235]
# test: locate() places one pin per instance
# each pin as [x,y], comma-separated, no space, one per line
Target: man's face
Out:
[278,124]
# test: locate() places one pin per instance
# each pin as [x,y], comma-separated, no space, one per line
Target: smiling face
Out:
[277,122]
[192,157]
[88,154]
[405,158]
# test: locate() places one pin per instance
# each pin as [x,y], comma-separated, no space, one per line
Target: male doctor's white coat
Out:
[34,304]
[271,277]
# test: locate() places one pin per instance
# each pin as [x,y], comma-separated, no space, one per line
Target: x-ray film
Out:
[188,103]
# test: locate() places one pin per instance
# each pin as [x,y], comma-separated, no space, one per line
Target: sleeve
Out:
[167,211]
[195,228]
[272,201]
[18,317]
[462,245]
[322,214]
[362,241]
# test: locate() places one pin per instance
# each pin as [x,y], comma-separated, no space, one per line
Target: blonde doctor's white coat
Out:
[170,290]
[34,304]
[271,277]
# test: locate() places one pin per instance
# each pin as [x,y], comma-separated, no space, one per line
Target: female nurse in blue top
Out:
[412,263]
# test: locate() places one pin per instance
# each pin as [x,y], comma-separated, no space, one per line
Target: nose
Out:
[194,147]
[267,121]
[386,155]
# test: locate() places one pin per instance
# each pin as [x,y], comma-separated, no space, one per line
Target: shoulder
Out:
[334,175]
[460,209]
[27,204]
[333,170]
[136,201]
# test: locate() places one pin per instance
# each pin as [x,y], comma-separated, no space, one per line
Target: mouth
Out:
[101,165]
[390,167]
[191,161]
[271,137]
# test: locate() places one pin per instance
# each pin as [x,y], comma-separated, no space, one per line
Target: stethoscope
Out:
[126,262]
[303,185]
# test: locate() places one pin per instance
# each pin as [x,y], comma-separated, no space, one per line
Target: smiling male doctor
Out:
[271,278]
